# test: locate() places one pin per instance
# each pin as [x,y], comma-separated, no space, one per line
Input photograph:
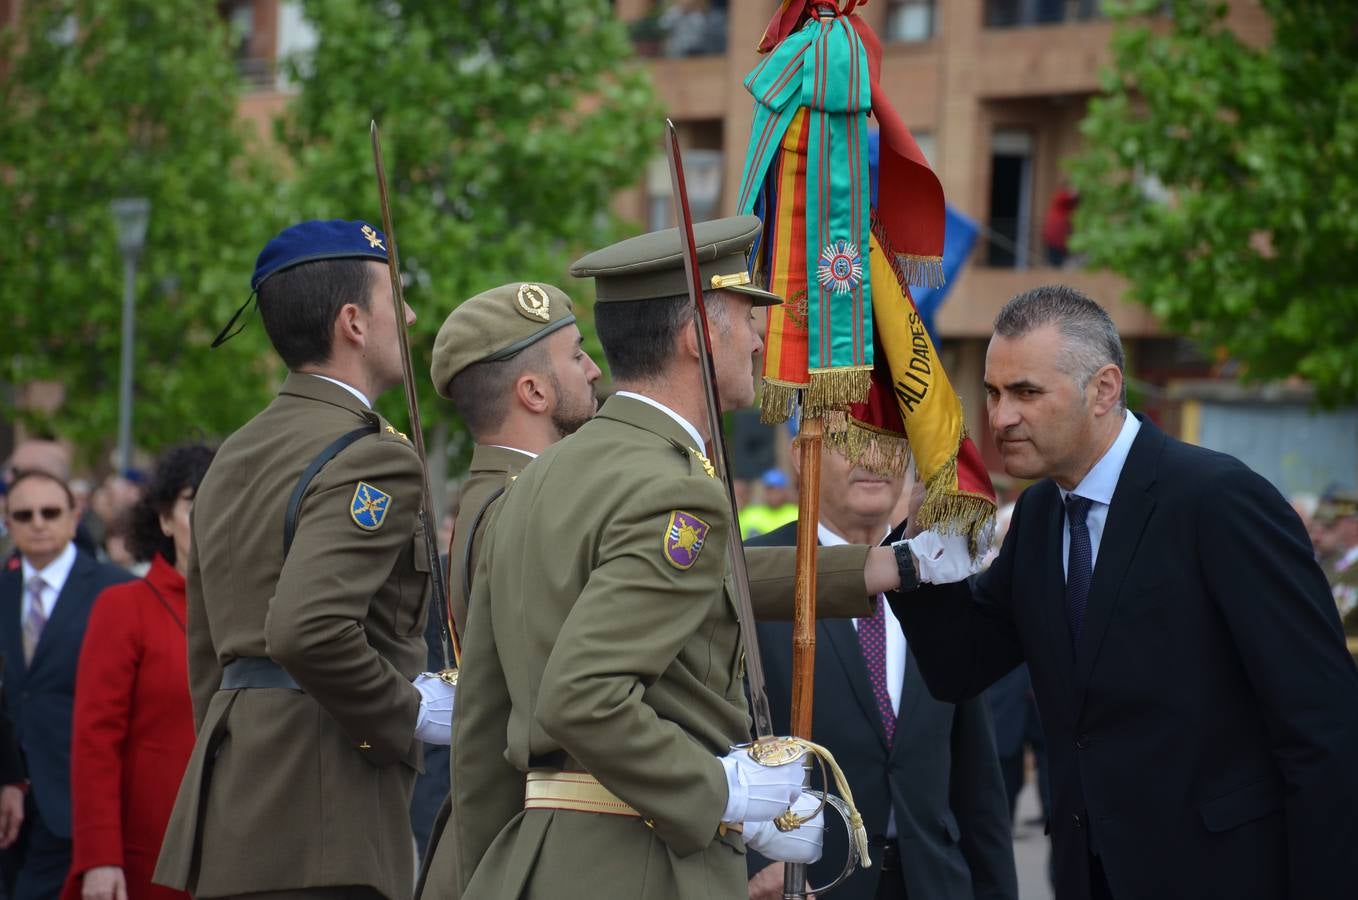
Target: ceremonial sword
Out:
[735,552]
[448,632]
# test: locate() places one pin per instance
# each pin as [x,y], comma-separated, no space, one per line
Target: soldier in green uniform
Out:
[307,590]
[510,362]
[602,676]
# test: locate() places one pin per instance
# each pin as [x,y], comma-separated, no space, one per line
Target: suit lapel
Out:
[1128,513]
[843,641]
[912,695]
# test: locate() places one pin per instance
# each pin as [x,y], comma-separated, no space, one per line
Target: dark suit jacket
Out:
[1203,737]
[940,774]
[40,696]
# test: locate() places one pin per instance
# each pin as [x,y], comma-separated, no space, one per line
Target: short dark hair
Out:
[299,305]
[1091,338]
[638,335]
[480,392]
[178,468]
[22,475]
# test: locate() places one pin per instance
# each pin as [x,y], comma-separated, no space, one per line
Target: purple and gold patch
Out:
[684,538]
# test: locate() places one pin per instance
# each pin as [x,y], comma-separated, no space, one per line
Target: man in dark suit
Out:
[1200,709]
[44,605]
[924,774]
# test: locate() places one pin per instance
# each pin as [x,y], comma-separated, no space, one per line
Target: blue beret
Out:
[310,241]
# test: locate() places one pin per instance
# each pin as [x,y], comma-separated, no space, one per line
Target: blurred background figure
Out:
[54,458]
[133,715]
[1056,228]
[45,602]
[775,507]
[1336,535]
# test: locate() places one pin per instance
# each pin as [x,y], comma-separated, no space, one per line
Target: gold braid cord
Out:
[789,820]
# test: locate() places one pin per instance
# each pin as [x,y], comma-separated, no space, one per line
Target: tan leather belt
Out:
[578,791]
[582,792]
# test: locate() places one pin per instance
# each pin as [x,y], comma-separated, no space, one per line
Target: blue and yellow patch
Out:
[369,506]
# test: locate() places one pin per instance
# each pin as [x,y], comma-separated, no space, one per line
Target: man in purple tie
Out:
[924,774]
[44,605]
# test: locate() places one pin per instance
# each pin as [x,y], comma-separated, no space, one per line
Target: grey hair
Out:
[1091,338]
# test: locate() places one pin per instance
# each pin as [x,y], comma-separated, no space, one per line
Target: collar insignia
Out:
[369,507]
[706,463]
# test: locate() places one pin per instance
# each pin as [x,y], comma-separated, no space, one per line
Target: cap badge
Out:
[684,537]
[534,303]
[369,506]
[373,239]
[840,268]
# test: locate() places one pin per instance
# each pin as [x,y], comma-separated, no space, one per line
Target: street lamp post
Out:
[131,214]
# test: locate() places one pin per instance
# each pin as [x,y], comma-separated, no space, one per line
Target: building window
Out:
[1010,232]
[296,41]
[681,28]
[702,177]
[1023,13]
[910,21]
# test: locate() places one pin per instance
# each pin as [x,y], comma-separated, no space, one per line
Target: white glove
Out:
[758,793]
[942,558]
[435,724]
[801,845]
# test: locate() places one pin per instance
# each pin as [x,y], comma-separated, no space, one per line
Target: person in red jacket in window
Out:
[133,728]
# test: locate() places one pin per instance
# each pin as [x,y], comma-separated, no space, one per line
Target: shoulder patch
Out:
[369,507]
[685,535]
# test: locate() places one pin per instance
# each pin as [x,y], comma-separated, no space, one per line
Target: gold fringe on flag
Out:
[778,400]
[947,510]
[880,452]
[836,389]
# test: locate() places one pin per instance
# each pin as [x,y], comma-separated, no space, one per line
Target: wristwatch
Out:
[905,565]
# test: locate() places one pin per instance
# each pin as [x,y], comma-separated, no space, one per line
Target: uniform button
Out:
[1079,823]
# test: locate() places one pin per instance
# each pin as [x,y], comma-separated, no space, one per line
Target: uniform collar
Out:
[694,436]
[499,458]
[348,387]
[326,390]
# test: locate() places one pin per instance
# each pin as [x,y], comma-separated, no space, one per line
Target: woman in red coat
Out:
[133,728]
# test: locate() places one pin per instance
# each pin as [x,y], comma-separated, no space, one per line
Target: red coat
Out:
[133,730]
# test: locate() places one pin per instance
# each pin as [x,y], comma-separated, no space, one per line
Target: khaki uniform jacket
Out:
[597,647]
[289,789]
[491,471]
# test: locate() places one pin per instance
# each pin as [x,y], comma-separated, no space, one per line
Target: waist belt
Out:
[255,672]
[578,791]
[581,792]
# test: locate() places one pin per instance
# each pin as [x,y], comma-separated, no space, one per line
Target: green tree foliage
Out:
[111,98]
[1253,243]
[507,128]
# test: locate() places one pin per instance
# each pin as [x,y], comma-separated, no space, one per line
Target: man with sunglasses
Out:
[44,605]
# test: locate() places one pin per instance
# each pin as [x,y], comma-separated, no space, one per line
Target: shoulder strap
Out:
[330,452]
[471,539]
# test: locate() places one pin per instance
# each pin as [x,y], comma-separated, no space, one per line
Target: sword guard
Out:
[449,676]
[772,752]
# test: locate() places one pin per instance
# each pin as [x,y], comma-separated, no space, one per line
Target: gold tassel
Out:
[835,389]
[777,401]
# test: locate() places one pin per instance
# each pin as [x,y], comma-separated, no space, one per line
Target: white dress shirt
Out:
[895,635]
[1098,485]
[348,387]
[54,576]
[698,443]
[515,450]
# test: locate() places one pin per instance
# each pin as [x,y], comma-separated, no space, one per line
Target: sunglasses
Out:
[24,516]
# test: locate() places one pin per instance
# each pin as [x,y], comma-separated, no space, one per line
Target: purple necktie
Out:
[37,618]
[1079,564]
[872,641]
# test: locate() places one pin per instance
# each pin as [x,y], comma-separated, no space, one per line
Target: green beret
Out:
[495,325]
[651,266]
